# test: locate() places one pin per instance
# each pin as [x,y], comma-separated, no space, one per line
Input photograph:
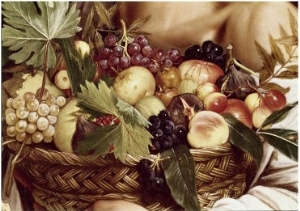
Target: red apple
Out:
[239,110]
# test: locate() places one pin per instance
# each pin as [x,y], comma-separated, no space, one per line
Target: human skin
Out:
[182,24]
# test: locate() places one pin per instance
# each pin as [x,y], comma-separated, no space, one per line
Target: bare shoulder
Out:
[255,21]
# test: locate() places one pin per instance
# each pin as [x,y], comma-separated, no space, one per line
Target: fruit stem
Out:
[124,38]
[230,60]
[245,68]
[187,109]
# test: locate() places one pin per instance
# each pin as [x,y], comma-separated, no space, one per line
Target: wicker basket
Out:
[63,181]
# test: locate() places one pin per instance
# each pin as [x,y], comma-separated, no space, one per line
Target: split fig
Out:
[182,107]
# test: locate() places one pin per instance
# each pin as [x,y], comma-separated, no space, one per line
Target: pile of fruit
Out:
[131,98]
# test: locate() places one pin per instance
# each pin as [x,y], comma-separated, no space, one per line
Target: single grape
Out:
[157,133]
[9,102]
[49,131]
[54,110]
[9,110]
[22,112]
[118,51]
[21,126]
[137,59]
[11,131]
[103,64]
[133,48]
[18,102]
[37,137]
[147,51]
[43,109]
[31,128]
[145,62]
[148,174]
[113,61]
[219,60]
[20,136]
[155,121]
[166,142]
[159,55]
[11,119]
[50,100]
[32,104]
[153,67]
[47,139]
[193,52]
[61,101]
[216,49]
[104,53]
[158,184]
[52,119]
[110,40]
[156,146]
[42,123]
[180,132]
[141,40]
[167,126]
[144,164]
[206,46]
[209,57]
[32,116]
[28,95]
[173,54]
[124,62]
[167,63]
[163,114]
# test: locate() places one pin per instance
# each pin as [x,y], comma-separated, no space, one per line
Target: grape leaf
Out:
[127,138]
[131,115]
[179,169]
[101,98]
[277,138]
[277,116]
[29,29]
[244,138]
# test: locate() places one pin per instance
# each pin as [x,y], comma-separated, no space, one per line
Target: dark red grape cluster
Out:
[119,54]
[165,133]
[209,51]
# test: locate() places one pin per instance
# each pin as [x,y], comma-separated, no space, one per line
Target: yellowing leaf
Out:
[29,29]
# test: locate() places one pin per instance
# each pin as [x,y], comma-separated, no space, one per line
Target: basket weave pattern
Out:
[63,181]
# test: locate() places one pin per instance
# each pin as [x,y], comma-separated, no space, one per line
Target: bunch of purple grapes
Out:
[165,133]
[118,56]
[152,178]
[209,51]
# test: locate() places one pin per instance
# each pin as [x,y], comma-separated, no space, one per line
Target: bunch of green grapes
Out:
[31,120]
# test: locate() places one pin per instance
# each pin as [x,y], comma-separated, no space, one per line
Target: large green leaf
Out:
[278,116]
[28,29]
[179,169]
[244,138]
[279,138]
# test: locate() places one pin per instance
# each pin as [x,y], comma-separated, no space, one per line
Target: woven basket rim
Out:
[54,156]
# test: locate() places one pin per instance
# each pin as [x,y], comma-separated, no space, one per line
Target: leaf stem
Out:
[13,164]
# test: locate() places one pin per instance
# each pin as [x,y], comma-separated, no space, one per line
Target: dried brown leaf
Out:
[285,40]
[264,74]
[292,68]
[88,25]
[293,24]
[275,86]
[276,51]
[287,75]
[134,27]
[103,14]
[10,86]
[15,68]
[268,61]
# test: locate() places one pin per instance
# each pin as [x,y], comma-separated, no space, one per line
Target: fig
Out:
[182,107]
[236,83]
